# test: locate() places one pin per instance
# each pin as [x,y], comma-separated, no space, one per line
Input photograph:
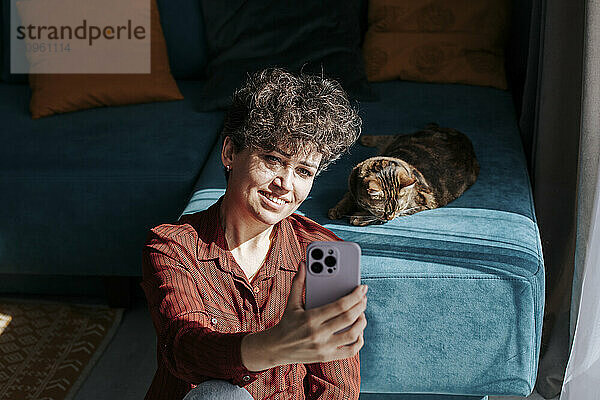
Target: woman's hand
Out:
[308,336]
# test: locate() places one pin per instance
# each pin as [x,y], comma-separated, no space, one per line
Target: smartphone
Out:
[332,271]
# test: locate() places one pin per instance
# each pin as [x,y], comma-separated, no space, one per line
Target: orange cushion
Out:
[60,93]
[446,41]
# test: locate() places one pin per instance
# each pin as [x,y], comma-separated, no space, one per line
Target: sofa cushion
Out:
[247,36]
[80,190]
[184,32]
[456,41]
[456,293]
[57,93]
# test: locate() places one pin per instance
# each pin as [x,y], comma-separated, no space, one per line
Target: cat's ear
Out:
[409,184]
[373,187]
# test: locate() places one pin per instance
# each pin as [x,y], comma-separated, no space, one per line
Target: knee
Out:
[217,389]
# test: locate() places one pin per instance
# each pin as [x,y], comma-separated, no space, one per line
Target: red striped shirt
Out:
[202,304]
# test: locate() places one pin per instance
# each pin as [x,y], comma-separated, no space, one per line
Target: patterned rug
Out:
[48,349]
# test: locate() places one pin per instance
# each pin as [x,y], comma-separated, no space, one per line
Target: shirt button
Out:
[213,321]
[246,378]
[256,289]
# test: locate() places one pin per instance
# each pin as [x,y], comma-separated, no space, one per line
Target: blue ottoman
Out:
[456,294]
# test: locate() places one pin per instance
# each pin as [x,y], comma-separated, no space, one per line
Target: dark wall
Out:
[517,49]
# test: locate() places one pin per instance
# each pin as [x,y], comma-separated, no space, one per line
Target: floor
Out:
[126,368]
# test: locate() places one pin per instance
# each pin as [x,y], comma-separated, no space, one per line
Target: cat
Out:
[420,171]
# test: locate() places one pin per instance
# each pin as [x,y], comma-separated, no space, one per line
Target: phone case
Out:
[334,281]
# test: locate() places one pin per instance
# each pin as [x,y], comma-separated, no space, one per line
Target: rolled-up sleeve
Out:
[192,350]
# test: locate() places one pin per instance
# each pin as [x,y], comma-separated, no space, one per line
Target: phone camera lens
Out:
[316,267]
[330,261]
[330,270]
[317,254]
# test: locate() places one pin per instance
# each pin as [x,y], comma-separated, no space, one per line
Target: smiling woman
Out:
[280,132]
[244,258]
[265,187]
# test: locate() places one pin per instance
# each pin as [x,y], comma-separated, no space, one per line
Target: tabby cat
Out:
[412,173]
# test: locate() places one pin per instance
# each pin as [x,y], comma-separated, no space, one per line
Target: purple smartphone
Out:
[332,271]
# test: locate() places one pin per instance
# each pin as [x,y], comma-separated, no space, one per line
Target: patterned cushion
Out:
[454,41]
[61,93]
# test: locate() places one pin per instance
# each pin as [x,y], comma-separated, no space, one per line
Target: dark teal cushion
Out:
[456,294]
[80,190]
[183,28]
[313,35]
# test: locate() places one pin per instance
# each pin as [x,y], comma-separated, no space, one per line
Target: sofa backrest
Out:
[183,27]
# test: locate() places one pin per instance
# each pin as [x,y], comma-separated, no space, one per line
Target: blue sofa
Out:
[456,294]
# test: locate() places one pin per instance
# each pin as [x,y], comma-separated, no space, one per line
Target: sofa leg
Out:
[118,291]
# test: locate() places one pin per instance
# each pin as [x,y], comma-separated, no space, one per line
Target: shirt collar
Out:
[211,240]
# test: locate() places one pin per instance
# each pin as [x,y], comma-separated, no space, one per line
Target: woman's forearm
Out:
[258,352]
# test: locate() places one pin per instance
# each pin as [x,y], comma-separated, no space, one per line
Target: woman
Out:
[225,286]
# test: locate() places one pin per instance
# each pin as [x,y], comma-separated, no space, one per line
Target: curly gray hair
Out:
[278,110]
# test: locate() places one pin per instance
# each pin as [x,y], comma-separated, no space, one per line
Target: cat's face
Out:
[383,186]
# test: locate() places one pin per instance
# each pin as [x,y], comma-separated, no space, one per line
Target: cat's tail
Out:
[375,141]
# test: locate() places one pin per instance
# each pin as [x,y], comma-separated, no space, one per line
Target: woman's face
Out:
[269,185]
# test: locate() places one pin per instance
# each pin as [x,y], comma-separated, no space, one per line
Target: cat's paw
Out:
[368,140]
[334,213]
[361,220]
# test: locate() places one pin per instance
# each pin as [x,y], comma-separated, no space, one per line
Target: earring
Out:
[227,168]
